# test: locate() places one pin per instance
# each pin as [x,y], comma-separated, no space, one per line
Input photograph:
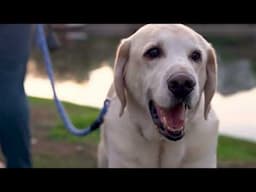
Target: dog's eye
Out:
[196,56]
[153,53]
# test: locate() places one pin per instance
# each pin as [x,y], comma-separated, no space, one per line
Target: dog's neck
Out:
[141,118]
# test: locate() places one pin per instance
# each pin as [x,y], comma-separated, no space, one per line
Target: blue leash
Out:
[42,43]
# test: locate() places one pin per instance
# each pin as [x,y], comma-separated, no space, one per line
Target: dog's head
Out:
[165,69]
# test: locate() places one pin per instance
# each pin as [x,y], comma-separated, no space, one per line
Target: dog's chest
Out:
[171,153]
[151,154]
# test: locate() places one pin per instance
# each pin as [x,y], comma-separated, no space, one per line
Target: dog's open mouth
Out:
[170,122]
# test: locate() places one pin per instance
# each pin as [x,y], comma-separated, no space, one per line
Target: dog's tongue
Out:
[173,118]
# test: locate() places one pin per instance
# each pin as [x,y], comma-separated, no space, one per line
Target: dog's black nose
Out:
[181,85]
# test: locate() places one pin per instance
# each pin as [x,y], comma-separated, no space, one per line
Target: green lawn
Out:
[237,152]
[58,148]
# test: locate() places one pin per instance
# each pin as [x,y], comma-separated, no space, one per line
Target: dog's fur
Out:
[129,138]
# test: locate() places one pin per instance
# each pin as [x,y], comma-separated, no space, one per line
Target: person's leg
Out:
[14,112]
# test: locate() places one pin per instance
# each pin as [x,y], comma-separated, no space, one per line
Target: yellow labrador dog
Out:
[160,114]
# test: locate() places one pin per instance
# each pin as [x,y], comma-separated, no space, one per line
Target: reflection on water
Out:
[236,112]
[90,93]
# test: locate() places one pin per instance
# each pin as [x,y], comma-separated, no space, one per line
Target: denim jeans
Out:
[15,44]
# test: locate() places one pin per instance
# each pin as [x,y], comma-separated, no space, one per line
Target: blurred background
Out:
[83,58]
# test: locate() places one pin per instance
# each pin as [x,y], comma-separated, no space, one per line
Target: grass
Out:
[236,151]
[231,152]
[80,116]
[57,148]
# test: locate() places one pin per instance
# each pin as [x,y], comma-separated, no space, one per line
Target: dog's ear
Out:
[211,80]
[122,56]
